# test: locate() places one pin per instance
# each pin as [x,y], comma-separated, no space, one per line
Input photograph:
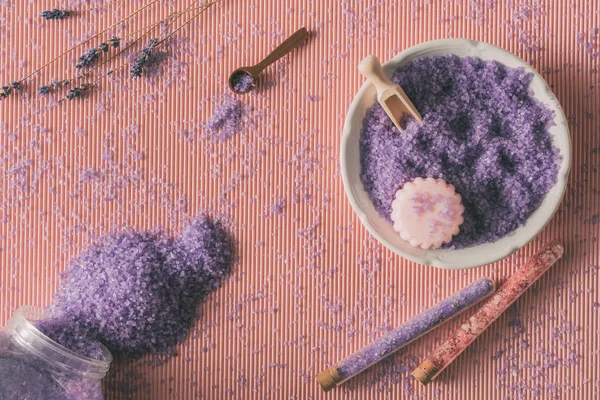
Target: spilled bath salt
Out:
[226,119]
[482,132]
[138,293]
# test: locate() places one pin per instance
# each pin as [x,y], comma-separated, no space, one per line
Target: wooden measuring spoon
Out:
[390,95]
[244,79]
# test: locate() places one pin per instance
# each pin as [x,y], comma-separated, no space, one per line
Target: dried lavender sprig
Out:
[89,39]
[47,89]
[84,74]
[7,90]
[56,14]
[114,42]
[138,66]
[142,58]
[77,92]
[90,56]
[111,71]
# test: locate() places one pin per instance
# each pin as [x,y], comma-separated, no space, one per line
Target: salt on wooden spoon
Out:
[243,79]
[390,95]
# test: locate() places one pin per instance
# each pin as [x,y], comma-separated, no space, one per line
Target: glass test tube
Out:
[490,310]
[406,333]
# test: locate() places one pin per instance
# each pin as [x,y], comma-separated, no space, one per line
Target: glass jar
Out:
[33,366]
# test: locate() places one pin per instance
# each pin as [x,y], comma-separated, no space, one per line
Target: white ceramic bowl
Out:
[472,256]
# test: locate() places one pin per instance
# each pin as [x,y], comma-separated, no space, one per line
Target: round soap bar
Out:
[427,212]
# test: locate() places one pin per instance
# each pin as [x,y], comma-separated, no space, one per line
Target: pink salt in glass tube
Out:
[406,333]
[489,311]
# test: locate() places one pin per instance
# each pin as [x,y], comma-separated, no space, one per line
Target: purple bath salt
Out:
[28,378]
[483,132]
[73,336]
[21,380]
[406,333]
[226,120]
[138,293]
[242,82]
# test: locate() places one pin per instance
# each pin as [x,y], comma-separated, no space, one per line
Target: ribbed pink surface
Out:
[311,286]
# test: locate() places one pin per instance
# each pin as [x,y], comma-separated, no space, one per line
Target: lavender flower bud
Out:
[73,93]
[104,47]
[55,14]
[77,92]
[88,58]
[114,41]
[44,90]
[59,84]
[5,91]
[138,66]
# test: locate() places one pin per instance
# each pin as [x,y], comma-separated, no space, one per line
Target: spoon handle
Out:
[370,68]
[288,45]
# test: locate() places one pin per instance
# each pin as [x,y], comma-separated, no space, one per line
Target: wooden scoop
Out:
[284,48]
[390,95]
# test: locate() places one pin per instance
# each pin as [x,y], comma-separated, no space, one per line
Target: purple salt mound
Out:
[242,82]
[226,120]
[415,328]
[482,132]
[138,292]
[72,335]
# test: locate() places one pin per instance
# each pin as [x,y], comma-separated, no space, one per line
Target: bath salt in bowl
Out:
[507,152]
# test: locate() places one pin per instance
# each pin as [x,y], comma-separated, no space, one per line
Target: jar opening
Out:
[24,334]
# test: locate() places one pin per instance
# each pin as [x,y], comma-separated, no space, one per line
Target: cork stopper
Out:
[328,378]
[425,372]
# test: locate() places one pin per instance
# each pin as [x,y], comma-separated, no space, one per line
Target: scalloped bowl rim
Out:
[469,257]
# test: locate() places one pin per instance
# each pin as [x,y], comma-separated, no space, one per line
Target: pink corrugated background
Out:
[311,286]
